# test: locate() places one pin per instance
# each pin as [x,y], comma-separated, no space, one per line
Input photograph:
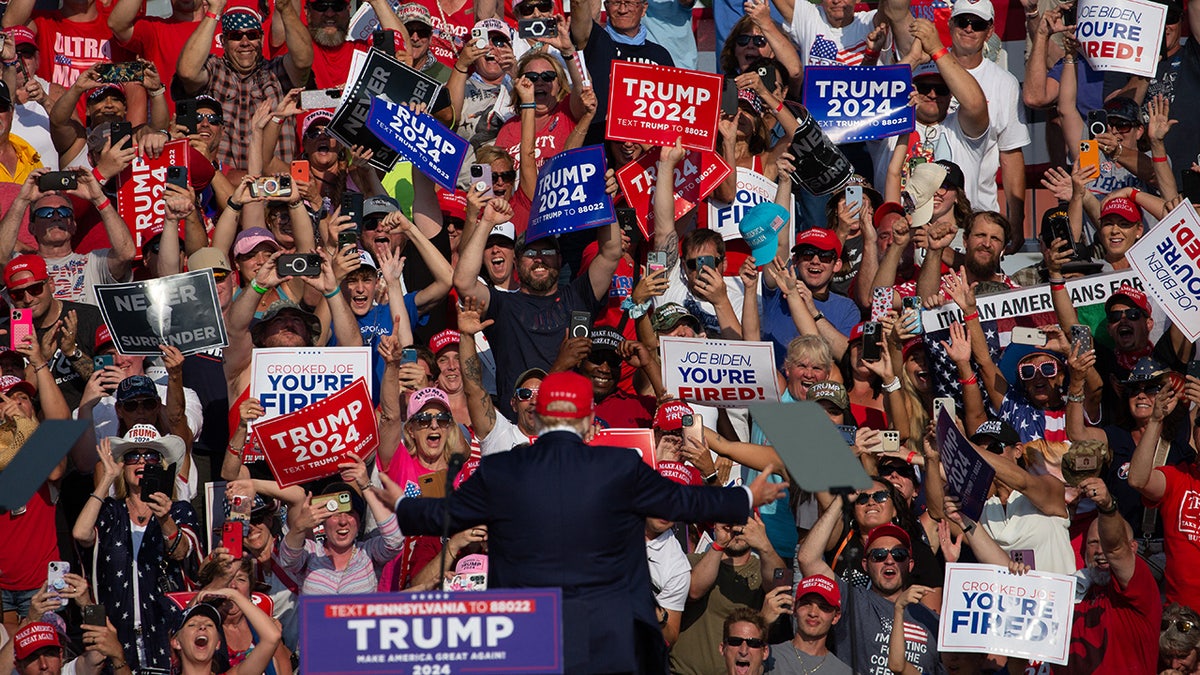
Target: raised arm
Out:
[1116,536]
[470,251]
[584,14]
[106,474]
[1142,477]
[811,554]
[666,238]
[972,105]
[479,404]
[190,69]
[601,271]
[299,59]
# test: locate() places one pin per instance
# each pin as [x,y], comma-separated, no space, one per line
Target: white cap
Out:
[923,182]
[504,230]
[927,68]
[367,260]
[980,8]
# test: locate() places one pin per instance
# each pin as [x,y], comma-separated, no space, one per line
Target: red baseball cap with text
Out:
[30,267]
[33,637]
[567,395]
[669,416]
[821,586]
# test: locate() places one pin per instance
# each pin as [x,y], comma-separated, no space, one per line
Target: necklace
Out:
[809,671]
[140,519]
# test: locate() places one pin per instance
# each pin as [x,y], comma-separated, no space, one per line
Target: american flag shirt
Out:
[821,44]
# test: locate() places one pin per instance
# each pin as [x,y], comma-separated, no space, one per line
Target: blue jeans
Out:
[18,601]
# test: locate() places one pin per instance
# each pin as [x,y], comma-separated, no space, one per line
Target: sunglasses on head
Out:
[1028,371]
[539,253]
[880,496]
[48,212]
[327,6]
[142,458]
[809,252]
[236,35]
[526,394]
[1150,388]
[425,419]
[1131,314]
[1121,127]
[1181,625]
[753,643]
[135,404]
[758,40]
[419,30]
[528,8]
[923,88]
[506,176]
[976,23]
[544,76]
[899,554]
[33,291]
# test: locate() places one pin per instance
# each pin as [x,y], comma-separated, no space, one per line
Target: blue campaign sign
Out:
[431,147]
[570,194]
[476,632]
[968,476]
[859,103]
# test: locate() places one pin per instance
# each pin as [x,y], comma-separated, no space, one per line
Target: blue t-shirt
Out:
[373,325]
[1090,95]
[669,24]
[779,328]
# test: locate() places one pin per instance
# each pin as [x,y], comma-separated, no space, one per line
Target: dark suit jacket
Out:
[562,513]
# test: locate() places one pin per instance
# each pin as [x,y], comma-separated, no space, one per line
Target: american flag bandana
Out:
[240,19]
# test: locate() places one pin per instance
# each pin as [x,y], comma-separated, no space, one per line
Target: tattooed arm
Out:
[479,404]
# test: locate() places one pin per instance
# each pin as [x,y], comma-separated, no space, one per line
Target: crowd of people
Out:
[483,383]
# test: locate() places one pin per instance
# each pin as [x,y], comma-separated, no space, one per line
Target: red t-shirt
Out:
[161,41]
[331,66]
[1180,512]
[450,31]
[23,566]
[70,47]
[620,288]
[551,137]
[619,410]
[1115,630]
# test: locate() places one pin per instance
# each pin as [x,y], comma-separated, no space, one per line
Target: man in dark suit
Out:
[562,513]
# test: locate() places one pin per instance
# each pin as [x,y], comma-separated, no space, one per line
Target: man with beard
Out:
[984,240]
[888,563]
[818,609]
[531,323]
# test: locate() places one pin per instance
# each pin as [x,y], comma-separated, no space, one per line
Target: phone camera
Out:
[1097,127]
[297,266]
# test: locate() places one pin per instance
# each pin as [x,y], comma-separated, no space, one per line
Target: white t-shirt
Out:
[77,274]
[949,142]
[503,437]
[678,293]
[31,123]
[1006,130]
[821,44]
[670,571]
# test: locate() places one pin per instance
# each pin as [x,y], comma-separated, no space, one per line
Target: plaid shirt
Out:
[239,96]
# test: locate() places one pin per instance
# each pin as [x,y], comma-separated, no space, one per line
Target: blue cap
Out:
[136,386]
[760,228]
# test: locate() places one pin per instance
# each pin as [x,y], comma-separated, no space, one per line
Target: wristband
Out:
[99,178]
[892,386]
[1058,287]
[11,64]
[939,53]
[157,92]
[779,108]
[464,72]
[233,205]
[1112,508]
[332,293]
[210,15]
[911,454]
[711,478]
[818,316]
[969,381]
[277,119]
[1158,159]
[969,527]
[717,547]
[1060,281]
[103,205]
[528,106]
[568,57]
[44,365]
[257,288]
[93,496]
[972,315]
[1133,193]
[871,54]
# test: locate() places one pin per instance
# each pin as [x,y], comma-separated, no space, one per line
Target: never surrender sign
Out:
[1121,35]
[657,104]
[570,194]
[435,150]
[985,609]
[719,372]
[308,444]
[695,178]
[285,379]
[858,103]
[476,632]
[1167,258]
[181,310]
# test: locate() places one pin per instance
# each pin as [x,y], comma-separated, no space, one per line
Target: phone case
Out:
[21,326]
[231,538]
[881,301]
[1089,157]
[301,171]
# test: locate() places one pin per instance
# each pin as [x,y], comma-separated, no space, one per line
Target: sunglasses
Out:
[48,212]
[526,394]
[1131,314]
[136,404]
[1121,127]
[506,176]
[878,555]
[544,76]
[880,497]
[315,132]
[1181,625]
[1028,371]
[236,35]
[425,419]
[532,253]
[5,107]
[27,52]
[923,88]
[419,30]
[753,643]
[32,291]
[142,458]
[327,6]
[498,41]
[757,40]
[1150,388]
[975,23]
[220,275]
[528,8]
[809,252]
[212,118]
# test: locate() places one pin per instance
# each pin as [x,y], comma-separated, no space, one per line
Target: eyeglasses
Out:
[532,253]
[1121,127]
[1028,371]
[878,555]
[135,404]
[528,8]
[212,118]
[327,6]
[142,458]
[526,394]
[1181,625]
[48,212]
[976,24]
[426,419]
[809,252]
[544,76]
[758,40]
[506,176]
[880,497]
[32,291]
[1131,314]
[419,30]
[1150,388]
[753,643]
[235,35]
[923,88]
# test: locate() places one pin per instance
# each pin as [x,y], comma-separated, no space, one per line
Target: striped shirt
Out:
[361,575]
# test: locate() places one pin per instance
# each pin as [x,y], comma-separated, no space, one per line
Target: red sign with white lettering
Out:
[695,178]
[657,104]
[309,443]
[139,199]
[640,440]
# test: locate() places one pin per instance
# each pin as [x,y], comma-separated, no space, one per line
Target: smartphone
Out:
[298,265]
[178,176]
[185,115]
[768,76]
[481,179]
[1081,334]
[729,98]
[881,301]
[55,580]
[1058,227]
[627,220]
[433,485]
[271,186]
[1189,185]
[655,261]
[849,432]
[231,538]
[301,172]
[352,206]
[1068,19]
[854,195]
[693,427]
[321,98]
[129,71]
[103,361]
[1194,368]
[703,261]
[1028,336]
[914,303]
[581,324]
[536,28]
[408,355]
[384,40]
[20,326]
[118,132]
[942,403]
[783,577]
[157,479]
[347,238]
[479,37]
[94,615]
[891,441]
[872,347]
[335,502]
[1097,122]
[1089,158]
[58,180]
